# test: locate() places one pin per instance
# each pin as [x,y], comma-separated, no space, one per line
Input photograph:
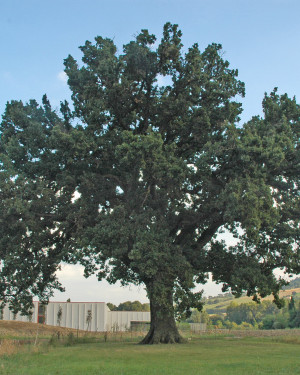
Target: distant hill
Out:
[219,304]
[295,283]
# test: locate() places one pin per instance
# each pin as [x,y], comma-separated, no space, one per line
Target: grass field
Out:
[203,355]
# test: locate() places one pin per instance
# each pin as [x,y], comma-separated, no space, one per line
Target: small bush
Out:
[268,322]
[53,340]
[70,339]
[280,322]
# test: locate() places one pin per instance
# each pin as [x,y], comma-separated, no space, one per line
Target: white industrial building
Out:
[89,316]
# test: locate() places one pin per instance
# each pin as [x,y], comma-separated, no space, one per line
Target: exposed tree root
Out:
[156,336]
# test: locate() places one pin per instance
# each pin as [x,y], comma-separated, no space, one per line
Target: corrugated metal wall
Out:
[8,315]
[120,320]
[91,316]
[78,315]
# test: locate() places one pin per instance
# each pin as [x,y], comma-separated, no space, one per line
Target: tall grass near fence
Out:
[219,355]
[15,342]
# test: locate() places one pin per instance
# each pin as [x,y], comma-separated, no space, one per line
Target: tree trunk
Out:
[163,326]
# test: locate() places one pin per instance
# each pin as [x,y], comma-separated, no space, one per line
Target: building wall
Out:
[120,320]
[75,315]
[8,315]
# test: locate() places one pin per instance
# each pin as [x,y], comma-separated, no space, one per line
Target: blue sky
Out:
[260,38]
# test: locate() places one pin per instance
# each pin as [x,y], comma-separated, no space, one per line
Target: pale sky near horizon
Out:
[260,38]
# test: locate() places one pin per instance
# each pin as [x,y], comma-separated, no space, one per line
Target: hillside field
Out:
[219,304]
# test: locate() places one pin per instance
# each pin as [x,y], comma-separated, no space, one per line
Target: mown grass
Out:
[206,355]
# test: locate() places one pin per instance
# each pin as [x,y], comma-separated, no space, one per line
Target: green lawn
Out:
[200,356]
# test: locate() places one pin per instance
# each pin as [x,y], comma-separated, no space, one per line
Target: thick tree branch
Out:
[208,233]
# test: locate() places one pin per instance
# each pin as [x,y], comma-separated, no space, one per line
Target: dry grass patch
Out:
[8,347]
[16,336]
[27,329]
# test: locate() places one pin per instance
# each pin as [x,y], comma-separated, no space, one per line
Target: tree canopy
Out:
[136,179]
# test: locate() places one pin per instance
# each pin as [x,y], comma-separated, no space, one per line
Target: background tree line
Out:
[252,315]
[129,306]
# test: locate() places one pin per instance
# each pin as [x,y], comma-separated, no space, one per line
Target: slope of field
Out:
[27,329]
[219,304]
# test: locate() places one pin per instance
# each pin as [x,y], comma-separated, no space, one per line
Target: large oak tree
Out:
[137,179]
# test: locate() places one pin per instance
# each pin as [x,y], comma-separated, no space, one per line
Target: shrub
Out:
[281,322]
[70,339]
[268,322]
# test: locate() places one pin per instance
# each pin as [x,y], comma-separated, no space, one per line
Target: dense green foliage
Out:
[294,312]
[129,306]
[264,315]
[136,181]
[199,317]
[249,312]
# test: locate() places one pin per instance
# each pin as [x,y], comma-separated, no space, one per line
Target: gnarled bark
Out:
[163,326]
